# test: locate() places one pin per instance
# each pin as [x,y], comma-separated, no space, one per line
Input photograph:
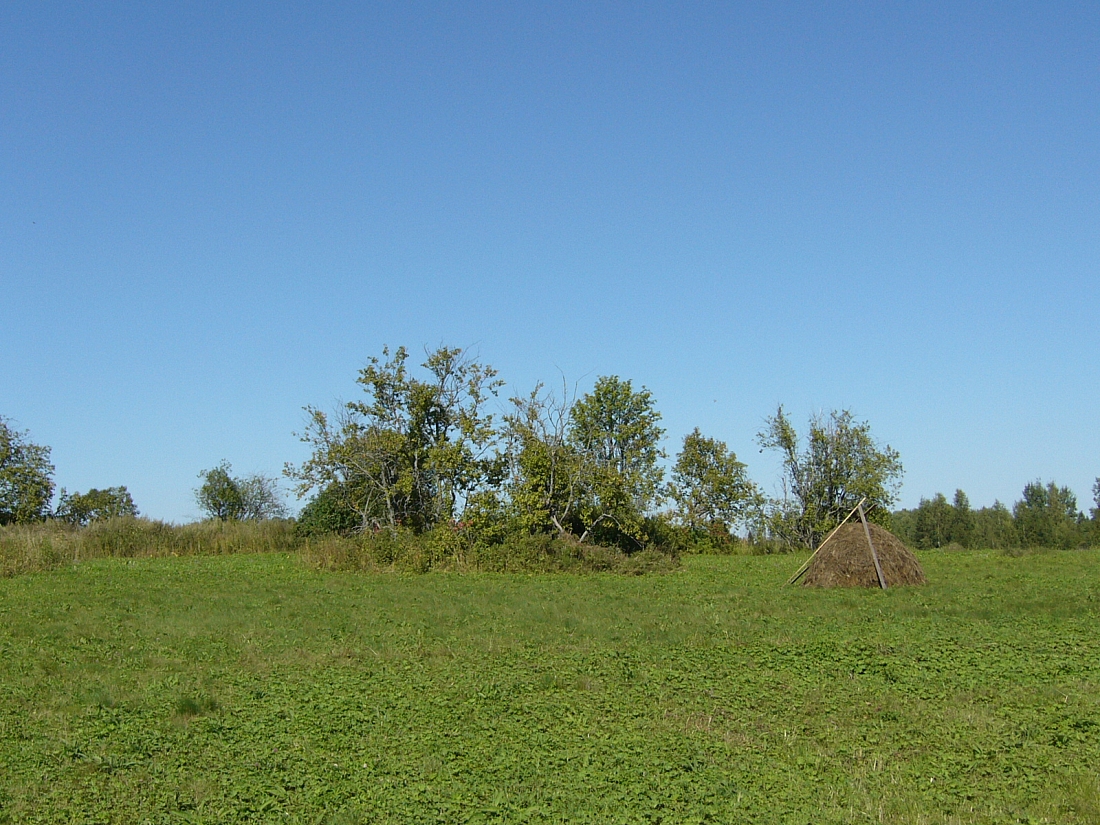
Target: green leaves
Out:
[26,477]
[95,505]
[615,429]
[840,464]
[254,498]
[414,450]
[710,487]
[1047,516]
[587,468]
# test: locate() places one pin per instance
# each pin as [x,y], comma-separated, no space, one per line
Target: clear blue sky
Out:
[212,214]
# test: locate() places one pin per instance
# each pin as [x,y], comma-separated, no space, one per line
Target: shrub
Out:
[449,548]
[327,512]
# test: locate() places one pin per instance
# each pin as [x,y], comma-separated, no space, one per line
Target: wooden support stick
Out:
[871,544]
[806,564]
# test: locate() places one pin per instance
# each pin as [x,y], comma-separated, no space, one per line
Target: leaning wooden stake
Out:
[806,565]
[871,544]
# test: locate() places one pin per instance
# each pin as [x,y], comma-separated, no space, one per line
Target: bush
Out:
[450,548]
[327,512]
[676,539]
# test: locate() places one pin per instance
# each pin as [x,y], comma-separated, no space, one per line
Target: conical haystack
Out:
[845,560]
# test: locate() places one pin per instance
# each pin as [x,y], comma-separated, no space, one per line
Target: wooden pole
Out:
[871,544]
[806,564]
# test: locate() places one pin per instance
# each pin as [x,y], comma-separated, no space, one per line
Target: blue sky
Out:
[211,216]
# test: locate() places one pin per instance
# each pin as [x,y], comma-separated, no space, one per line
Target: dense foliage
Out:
[823,480]
[414,450]
[584,468]
[95,505]
[713,495]
[328,512]
[1045,516]
[421,453]
[224,496]
[26,477]
[421,458]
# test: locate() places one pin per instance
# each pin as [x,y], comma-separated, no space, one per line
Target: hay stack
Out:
[845,560]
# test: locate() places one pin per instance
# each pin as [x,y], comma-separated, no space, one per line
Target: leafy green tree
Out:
[95,505]
[615,431]
[938,523]
[962,522]
[220,496]
[934,521]
[586,468]
[1047,516]
[548,478]
[413,452]
[252,498]
[840,464]
[993,528]
[710,487]
[26,477]
[903,524]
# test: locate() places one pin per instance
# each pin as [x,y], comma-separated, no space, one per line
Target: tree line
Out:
[429,451]
[27,487]
[1046,515]
[434,447]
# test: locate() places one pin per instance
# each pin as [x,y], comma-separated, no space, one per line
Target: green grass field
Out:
[250,688]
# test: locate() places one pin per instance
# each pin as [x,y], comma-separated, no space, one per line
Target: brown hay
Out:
[845,560]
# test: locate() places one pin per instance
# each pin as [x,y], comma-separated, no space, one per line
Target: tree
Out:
[95,505]
[933,522]
[994,528]
[252,498]
[548,477]
[937,523]
[616,432]
[586,468]
[1047,516]
[962,522]
[415,450]
[26,477]
[261,497]
[710,487]
[903,524]
[841,464]
[220,496]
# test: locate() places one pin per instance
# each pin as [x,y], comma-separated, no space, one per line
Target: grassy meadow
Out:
[258,688]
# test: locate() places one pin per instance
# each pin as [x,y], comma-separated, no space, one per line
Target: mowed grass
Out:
[253,689]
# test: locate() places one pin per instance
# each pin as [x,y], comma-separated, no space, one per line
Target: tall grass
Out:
[49,545]
[35,547]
